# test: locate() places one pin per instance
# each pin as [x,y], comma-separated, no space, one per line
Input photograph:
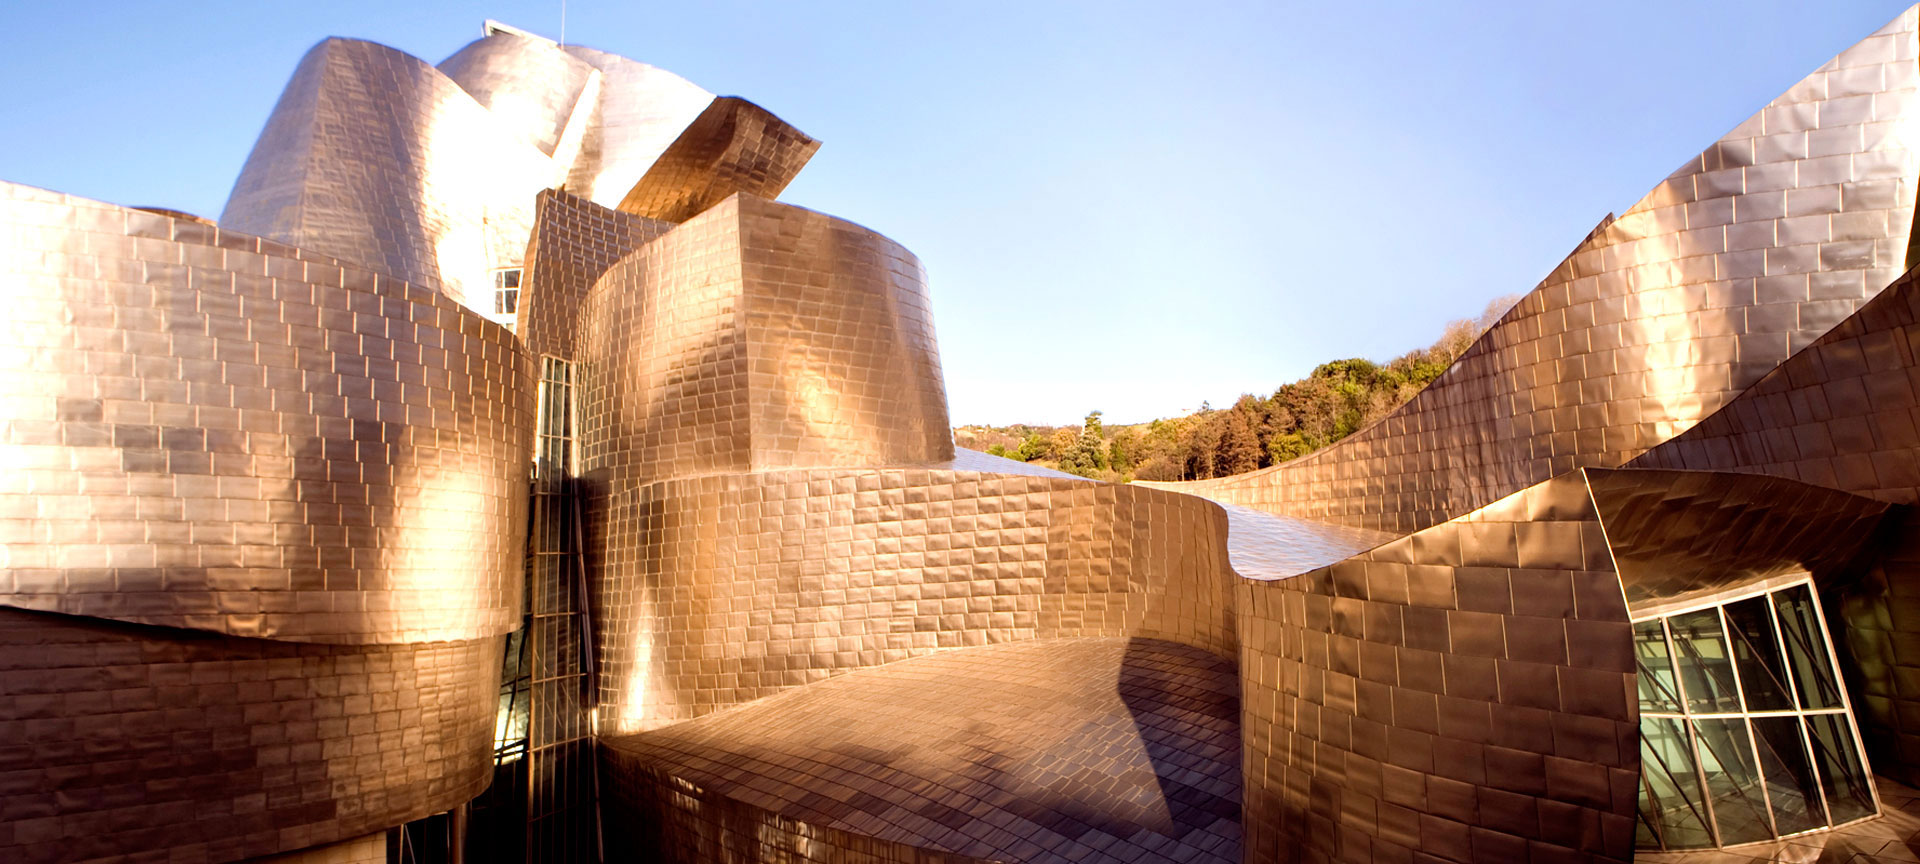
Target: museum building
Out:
[508,475]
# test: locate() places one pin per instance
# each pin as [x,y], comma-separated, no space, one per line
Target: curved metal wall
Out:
[135,741]
[1837,414]
[530,85]
[574,243]
[642,110]
[1749,252]
[204,429]
[716,590]
[1464,692]
[733,147]
[375,157]
[759,336]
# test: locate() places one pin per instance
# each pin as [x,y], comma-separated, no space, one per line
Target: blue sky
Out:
[1130,207]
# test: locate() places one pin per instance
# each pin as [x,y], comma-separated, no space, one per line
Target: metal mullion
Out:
[1673,665]
[1846,702]
[1700,781]
[1753,739]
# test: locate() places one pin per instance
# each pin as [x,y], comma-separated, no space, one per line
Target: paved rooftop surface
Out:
[1081,750]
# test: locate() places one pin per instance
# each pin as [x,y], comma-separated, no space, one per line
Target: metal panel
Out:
[204,429]
[1747,253]
[733,147]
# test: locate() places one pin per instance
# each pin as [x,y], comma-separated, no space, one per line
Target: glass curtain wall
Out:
[1745,732]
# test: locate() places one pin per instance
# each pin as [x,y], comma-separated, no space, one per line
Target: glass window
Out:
[1672,813]
[506,291]
[1756,653]
[1733,781]
[1658,686]
[1791,790]
[1807,646]
[1706,670]
[1843,779]
[1745,734]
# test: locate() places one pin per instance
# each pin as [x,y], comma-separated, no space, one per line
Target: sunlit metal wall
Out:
[235,438]
[1461,692]
[1746,254]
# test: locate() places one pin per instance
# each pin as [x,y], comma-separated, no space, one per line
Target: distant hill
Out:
[1338,398]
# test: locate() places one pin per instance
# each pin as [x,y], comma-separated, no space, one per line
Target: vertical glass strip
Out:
[1673,814]
[1659,688]
[1706,669]
[1791,789]
[1756,654]
[1733,781]
[1843,778]
[1813,676]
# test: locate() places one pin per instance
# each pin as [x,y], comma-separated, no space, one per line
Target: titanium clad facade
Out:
[531,86]
[1156,722]
[277,488]
[574,242]
[126,740]
[714,591]
[1746,254]
[758,336]
[214,431]
[734,146]
[641,111]
[373,156]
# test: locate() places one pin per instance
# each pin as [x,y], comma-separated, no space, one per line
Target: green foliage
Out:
[1300,417]
[1336,399]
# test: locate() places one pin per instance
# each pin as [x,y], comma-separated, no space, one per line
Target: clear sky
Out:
[1130,207]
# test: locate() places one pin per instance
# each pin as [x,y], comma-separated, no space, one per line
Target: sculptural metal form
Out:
[263,528]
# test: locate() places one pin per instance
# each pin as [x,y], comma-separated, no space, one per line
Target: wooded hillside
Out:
[1337,399]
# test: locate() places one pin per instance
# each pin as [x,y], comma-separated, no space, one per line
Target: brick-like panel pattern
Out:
[666,820]
[371,849]
[1748,253]
[759,336]
[123,742]
[842,364]
[1844,413]
[1875,624]
[1462,694]
[1091,751]
[662,361]
[712,591]
[733,147]
[205,429]
[574,242]
[375,157]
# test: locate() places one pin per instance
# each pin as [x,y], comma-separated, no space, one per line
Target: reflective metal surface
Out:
[129,740]
[374,157]
[1747,253]
[204,429]
[574,243]
[733,147]
[801,575]
[641,111]
[1681,535]
[1075,750]
[1462,692]
[746,490]
[759,336]
[532,86]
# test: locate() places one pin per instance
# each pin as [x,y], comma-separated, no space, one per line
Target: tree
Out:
[1087,455]
[1239,446]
